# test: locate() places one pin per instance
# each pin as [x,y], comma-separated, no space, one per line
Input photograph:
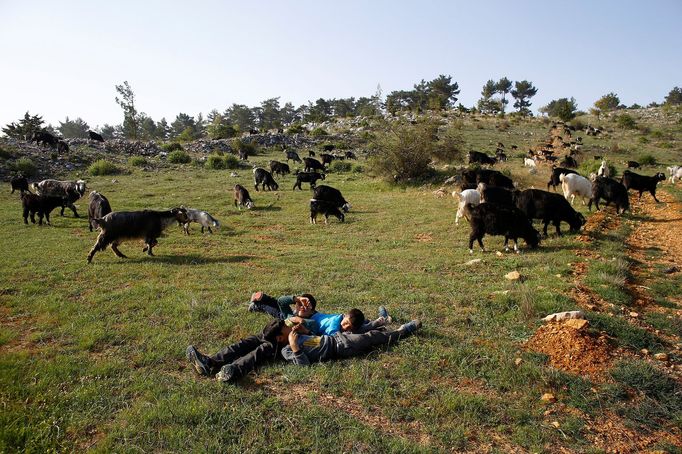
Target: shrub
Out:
[358,168]
[296,128]
[578,124]
[178,157]
[626,121]
[4,154]
[666,145]
[643,139]
[25,166]
[103,167]
[173,146]
[318,132]
[591,166]
[137,161]
[340,166]
[240,147]
[647,160]
[217,162]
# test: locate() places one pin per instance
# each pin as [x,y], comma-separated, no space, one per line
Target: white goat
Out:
[202,218]
[573,184]
[529,162]
[675,172]
[471,196]
[604,170]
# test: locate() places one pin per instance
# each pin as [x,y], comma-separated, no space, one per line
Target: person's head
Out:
[305,305]
[276,332]
[352,320]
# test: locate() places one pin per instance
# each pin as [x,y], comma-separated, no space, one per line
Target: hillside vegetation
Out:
[92,356]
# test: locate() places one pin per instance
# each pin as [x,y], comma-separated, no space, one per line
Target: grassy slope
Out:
[93,355]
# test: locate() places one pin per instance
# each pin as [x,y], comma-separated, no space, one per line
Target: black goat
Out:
[307,177]
[549,207]
[264,178]
[642,183]
[97,208]
[491,219]
[611,191]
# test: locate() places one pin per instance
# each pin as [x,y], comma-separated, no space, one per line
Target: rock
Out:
[548,397]
[473,262]
[561,316]
[661,356]
[556,424]
[114,181]
[634,314]
[644,351]
[577,323]
[451,180]
[671,270]
[518,361]
[233,174]
[513,276]
[499,254]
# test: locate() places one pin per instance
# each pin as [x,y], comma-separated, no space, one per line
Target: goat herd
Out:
[492,204]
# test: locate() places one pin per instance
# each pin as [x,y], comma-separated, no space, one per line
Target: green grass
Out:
[93,355]
[103,167]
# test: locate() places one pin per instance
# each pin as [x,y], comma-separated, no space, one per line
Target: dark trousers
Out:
[350,344]
[244,355]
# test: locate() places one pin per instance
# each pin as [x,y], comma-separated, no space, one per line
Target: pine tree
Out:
[503,87]
[74,129]
[25,128]
[131,125]
[522,92]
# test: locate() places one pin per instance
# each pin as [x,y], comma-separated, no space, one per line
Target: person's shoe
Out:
[256,296]
[411,327]
[226,373]
[383,313]
[200,361]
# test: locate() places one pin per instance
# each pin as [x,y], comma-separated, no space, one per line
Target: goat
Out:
[326,158]
[568,161]
[331,195]
[554,180]
[471,178]
[19,183]
[264,178]
[497,195]
[43,205]
[471,196]
[200,217]
[94,136]
[277,167]
[45,137]
[675,172]
[350,155]
[529,162]
[641,183]
[549,207]
[604,170]
[242,197]
[69,191]
[97,208]
[482,158]
[611,191]
[307,177]
[325,208]
[312,164]
[491,219]
[119,226]
[293,156]
[633,165]
[573,184]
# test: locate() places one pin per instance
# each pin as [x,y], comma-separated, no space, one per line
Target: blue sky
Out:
[64,58]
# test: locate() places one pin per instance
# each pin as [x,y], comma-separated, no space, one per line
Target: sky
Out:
[63,59]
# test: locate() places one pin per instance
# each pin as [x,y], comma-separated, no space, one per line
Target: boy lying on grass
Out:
[305,313]
[238,359]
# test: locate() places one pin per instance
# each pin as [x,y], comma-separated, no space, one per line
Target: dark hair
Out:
[272,330]
[311,298]
[356,317]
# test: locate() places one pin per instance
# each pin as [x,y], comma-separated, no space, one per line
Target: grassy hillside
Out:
[92,356]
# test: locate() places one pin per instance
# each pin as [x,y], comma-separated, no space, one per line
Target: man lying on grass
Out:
[305,313]
[238,359]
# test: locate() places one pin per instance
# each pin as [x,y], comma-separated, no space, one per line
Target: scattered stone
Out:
[451,180]
[499,254]
[513,276]
[518,361]
[577,323]
[548,397]
[114,181]
[473,262]
[644,351]
[561,316]
[556,424]
[634,314]
[661,356]
[558,275]
[234,174]
[671,270]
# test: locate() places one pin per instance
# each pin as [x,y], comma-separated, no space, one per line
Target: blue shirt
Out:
[329,324]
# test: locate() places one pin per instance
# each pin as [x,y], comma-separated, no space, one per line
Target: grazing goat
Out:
[573,184]
[554,180]
[568,161]
[264,178]
[549,207]
[529,162]
[280,168]
[496,194]
[350,155]
[242,197]
[94,136]
[611,191]
[468,196]
[642,183]
[633,165]
[293,156]
[331,195]
[200,217]
[119,226]
[326,158]
[43,205]
[325,208]
[45,137]
[69,191]
[312,164]
[19,183]
[491,219]
[328,147]
[62,147]
[311,153]
[471,178]
[675,172]
[97,208]
[604,170]
[307,177]
[482,158]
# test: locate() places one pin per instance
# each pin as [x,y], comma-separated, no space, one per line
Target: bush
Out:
[25,166]
[178,157]
[169,147]
[296,128]
[591,166]
[318,132]
[643,139]
[626,121]
[340,166]
[217,162]
[4,154]
[240,147]
[137,161]
[578,124]
[103,167]
[647,160]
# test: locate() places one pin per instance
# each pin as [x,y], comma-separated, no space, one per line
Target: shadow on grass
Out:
[193,259]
